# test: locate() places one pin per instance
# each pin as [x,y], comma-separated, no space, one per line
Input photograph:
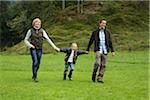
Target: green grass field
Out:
[126,78]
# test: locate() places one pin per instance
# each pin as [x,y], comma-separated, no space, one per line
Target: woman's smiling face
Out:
[36,23]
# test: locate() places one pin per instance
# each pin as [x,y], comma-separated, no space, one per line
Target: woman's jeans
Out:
[36,55]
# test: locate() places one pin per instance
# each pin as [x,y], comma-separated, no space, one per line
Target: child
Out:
[71,56]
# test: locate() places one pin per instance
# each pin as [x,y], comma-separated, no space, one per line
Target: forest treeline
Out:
[125,18]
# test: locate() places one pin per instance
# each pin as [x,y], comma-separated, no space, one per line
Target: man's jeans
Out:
[36,58]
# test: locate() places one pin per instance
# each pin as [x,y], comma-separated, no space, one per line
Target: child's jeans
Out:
[69,64]
[66,69]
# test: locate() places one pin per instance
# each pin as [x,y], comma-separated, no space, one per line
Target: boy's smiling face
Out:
[74,46]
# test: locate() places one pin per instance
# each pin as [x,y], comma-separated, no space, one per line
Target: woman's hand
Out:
[33,46]
[57,49]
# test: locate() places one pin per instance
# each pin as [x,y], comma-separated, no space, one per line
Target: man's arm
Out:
[90,42]
[111,44]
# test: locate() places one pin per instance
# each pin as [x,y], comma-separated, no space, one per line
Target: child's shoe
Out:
[70,78]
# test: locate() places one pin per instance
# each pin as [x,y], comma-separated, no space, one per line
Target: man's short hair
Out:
[102,20]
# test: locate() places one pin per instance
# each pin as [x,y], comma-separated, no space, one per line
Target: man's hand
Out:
[57,49]
[113,53]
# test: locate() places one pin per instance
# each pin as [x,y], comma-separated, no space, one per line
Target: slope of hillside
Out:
[128,22]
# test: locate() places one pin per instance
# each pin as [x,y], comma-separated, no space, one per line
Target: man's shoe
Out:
[35,80]
[100,81]
[93,80]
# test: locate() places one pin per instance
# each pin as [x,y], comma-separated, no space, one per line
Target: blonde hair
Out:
[36,20]
[74,45]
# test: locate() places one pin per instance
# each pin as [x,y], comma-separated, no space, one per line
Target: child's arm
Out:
[63,50]
[81,52]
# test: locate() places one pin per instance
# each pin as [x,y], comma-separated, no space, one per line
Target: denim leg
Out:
[66,67]
[71,70]
[39,55]
[71,66]
[34,62]
[65,71]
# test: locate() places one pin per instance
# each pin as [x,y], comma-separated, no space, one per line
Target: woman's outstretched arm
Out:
[49,40]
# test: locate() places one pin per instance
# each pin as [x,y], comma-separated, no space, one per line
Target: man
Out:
[102,45]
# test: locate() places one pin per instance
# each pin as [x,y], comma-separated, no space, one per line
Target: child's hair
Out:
[74,46]
[36,20]
[72,43]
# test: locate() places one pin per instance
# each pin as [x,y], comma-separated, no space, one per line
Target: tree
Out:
[80,6]
[5,32]
[63,4]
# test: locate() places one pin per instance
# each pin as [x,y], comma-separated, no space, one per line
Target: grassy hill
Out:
[127,20]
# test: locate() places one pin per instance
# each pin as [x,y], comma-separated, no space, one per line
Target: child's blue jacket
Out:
[68,52]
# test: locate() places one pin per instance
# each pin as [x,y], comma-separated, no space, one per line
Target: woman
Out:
[34,40]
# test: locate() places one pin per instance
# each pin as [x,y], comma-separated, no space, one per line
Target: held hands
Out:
[87,52]
[113,54]
[33,46]
[57,49]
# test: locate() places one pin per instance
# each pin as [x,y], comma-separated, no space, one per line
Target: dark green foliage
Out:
[127,20]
